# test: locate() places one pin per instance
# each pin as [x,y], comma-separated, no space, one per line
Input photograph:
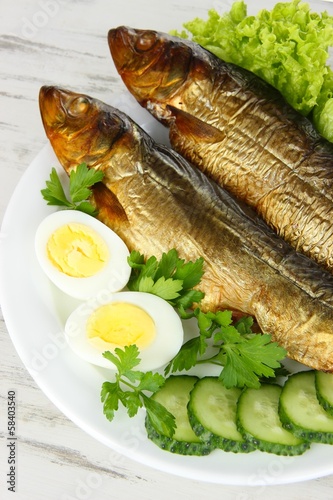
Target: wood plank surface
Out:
[64,42]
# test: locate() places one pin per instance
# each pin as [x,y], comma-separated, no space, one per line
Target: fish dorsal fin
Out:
[188,124]
[110,210]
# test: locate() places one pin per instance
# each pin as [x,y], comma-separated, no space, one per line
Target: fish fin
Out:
[110,210]
[188,124]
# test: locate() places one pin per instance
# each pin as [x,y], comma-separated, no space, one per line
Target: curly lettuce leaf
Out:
[323,112]
[287,46]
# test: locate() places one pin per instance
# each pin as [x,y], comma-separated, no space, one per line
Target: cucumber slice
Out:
[324,389]
[258,421]
[174,396]
[301,412]
[212,415]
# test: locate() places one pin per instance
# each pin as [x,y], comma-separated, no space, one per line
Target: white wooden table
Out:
[64,42]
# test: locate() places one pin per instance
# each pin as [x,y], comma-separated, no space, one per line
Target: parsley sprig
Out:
[246,357]
[80,181]
[138,383]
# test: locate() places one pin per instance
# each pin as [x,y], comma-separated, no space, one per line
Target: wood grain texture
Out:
[64,42]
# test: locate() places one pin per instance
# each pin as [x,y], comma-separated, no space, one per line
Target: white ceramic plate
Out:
[35,313]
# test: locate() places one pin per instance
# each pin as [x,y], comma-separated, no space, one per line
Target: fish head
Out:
[153,65]
[81,129]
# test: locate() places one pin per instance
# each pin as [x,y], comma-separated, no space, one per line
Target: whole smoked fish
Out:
[237,129]
[155,200]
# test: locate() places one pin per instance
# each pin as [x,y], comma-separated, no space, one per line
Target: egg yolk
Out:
[120,324]
[77,250]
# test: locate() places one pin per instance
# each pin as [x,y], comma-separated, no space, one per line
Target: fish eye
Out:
[78,106]
[146,41]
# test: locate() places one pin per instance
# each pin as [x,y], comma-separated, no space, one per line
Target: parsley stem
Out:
[131,386]
[209,360]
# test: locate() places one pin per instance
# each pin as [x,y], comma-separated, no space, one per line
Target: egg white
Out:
[112,277]
[166,344]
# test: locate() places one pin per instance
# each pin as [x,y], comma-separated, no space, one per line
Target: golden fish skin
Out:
[155,200]
[238,130]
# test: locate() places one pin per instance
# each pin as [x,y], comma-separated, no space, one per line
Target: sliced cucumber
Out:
[324,389]
[258,421]
[174,396]
[301,412]
[212,415]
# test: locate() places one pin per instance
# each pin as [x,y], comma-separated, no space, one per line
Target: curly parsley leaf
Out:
[167,265]
[187,356]
[110,398]
[170,278]
[80,181]
[244,325]
[137,382]
[190,272]
[167,289]
[162,420]
[124,359]
[246,357]
[248,360]
[54,193]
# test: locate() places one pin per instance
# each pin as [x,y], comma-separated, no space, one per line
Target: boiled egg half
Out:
[80,254]
[108,321]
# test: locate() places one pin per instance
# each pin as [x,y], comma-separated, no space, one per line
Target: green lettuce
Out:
[287,47]
[323,111]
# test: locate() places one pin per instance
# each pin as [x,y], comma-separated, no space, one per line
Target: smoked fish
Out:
[155,200]
[238,130]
